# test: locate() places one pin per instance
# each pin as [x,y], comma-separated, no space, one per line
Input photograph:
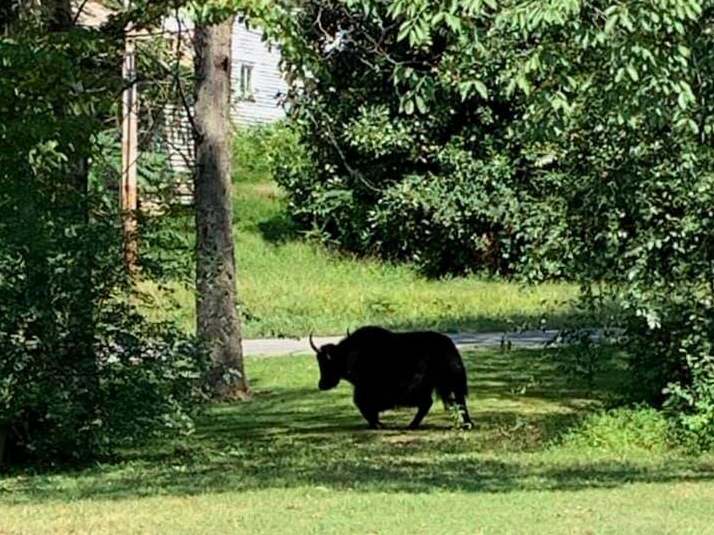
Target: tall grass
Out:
[289,286]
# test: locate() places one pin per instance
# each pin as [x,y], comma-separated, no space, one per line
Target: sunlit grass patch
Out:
[289,286]
[299,460]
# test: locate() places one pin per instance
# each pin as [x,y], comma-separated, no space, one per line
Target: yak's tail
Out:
[453,385]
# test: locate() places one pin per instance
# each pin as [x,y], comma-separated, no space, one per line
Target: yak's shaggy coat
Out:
[395,370]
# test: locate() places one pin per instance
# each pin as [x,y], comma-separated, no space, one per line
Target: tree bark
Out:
[218,322]
[82,308]
[60,15]
[4,431]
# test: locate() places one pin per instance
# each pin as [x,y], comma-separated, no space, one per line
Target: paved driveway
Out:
[288,346]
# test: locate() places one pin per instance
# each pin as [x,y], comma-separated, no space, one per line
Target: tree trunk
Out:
[4,432]
[60,18]
[82,359]
[218,322]
[60,15]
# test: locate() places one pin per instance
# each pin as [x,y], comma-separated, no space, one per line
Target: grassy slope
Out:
[290,287]
[296,460]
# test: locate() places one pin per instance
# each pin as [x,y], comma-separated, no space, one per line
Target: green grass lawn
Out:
[296,460]
[289,286]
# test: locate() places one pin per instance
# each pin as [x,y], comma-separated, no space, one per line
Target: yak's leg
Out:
[423,409]
[367,410]
[466,422]
[372,417]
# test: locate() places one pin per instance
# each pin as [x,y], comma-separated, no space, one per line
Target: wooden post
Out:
[130,153]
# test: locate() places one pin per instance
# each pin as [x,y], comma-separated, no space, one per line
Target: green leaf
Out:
[481,89]
[683,101]
[610,23]
[453,22]
[633,73]
[404,30]
[421,106]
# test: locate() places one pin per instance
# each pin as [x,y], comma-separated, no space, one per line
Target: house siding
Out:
[268,86]
[267,83]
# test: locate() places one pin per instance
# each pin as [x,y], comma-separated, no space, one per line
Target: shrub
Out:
[259,149]
[621,431]
[145,381]
[81,372]
[432,180]
[583,135]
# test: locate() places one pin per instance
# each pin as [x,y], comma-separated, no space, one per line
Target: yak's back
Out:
[426,340]
[379,353]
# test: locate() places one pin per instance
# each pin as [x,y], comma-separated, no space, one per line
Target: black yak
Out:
[395,370]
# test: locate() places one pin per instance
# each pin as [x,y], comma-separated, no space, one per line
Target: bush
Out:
[671,361]
[145,381]
[81,372]
[409,163]
[462,217]
[259,149]
[555,138]
[621,431]
[435,180]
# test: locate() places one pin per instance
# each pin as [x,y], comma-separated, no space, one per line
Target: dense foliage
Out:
[401,159]
[554,138]
[625,112]
[81,371]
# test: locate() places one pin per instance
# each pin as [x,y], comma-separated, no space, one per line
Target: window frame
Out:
[246,88]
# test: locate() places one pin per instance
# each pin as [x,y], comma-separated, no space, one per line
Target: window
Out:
[246,82]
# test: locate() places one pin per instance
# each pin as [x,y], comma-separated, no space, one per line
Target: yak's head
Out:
[327,359]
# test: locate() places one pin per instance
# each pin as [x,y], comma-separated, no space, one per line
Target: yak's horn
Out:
[348,332]
[312,344]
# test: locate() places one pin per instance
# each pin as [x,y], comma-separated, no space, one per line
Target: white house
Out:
[257,89]
[257,83]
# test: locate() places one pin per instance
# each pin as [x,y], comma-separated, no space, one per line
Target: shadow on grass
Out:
[279,228]
[296,436]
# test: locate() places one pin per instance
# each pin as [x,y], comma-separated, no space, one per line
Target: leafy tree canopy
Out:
[551,138]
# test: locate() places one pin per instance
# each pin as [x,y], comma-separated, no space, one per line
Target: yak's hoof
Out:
[376,425]
[467,426]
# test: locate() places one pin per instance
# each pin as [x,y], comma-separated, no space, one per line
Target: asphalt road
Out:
[293,346]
